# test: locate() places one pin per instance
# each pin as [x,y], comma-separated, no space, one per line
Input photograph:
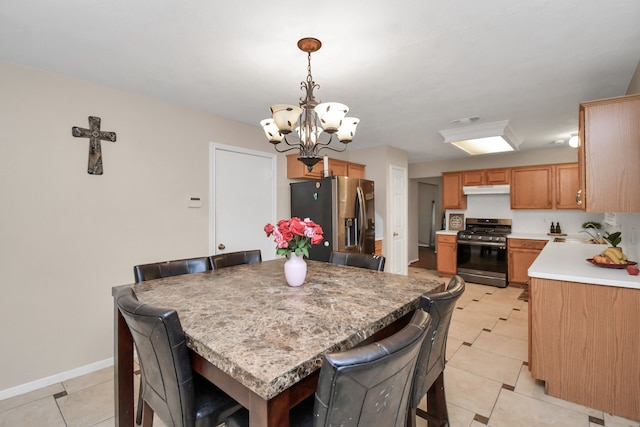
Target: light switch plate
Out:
[195,202]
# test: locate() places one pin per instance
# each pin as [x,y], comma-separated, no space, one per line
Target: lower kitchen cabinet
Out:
[447,256]
[522,253]
[584,344]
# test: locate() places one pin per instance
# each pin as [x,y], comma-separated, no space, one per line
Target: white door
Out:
[243,200]
[398,220]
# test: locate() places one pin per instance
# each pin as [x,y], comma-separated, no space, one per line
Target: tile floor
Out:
[486,380]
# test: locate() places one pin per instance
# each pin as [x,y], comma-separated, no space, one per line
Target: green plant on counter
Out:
[613,238]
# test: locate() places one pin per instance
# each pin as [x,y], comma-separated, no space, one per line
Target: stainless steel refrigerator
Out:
[343,207]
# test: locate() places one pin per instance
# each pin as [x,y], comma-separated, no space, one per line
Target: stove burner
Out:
[486,230]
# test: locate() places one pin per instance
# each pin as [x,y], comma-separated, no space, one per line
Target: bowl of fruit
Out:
[613,257]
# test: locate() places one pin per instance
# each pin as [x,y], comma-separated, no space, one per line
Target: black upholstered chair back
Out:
[235,258]
[371,385]
[432,356]
[363,386]
[164,360]
[371,262]
[158,270]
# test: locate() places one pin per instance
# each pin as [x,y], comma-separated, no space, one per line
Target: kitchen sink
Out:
[588,240]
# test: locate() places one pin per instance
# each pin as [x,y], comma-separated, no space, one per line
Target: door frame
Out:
[213,148]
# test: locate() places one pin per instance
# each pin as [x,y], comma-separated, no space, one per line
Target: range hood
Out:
[486,189]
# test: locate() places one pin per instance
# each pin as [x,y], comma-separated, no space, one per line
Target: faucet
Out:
[597,237]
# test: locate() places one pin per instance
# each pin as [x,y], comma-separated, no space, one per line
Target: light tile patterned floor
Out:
[486,381]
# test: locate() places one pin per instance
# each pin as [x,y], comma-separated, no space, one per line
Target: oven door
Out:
[483,262]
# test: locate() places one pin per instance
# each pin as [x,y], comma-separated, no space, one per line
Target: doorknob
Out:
[395,234]
[221,247]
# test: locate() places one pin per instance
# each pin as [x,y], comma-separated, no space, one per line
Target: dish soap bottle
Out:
[558,229]
[552,229]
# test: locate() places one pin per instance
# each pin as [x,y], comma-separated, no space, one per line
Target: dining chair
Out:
[170,388]
[364,386]
[157,270]
[429,375]
[235,258]
[371,262]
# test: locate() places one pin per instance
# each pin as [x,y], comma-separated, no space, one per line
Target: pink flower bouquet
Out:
[294,235]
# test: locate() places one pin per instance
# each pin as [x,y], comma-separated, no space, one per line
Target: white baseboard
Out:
[54,379]
[413,260]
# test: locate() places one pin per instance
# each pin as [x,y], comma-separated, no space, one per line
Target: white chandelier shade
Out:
[310,120]
[331,115]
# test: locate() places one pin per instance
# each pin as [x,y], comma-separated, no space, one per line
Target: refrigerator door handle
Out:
[363,218]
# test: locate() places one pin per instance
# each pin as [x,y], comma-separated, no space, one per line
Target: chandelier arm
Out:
[326,146]
[322,145]
[293,146]
[285,150]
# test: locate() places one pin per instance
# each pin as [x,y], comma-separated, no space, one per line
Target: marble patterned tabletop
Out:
[248,322]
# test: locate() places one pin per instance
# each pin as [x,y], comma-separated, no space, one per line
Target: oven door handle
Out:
[472,243]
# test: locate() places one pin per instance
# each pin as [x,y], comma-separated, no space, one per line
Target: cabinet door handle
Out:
[579,197]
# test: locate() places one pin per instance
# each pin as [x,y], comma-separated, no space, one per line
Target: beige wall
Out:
[67,237]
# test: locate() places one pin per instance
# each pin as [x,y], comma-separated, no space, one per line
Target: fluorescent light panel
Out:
[485,138]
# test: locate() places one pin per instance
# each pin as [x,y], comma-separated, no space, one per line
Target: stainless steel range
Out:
[482,251]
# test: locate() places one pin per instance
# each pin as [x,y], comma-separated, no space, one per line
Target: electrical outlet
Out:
[610,218]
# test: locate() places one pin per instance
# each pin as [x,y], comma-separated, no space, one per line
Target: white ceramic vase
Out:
[295,270]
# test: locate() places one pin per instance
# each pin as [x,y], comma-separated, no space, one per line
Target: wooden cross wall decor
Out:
[95,149]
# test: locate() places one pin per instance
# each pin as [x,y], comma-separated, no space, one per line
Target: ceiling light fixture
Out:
[310,119]
[485,138]
[573,140]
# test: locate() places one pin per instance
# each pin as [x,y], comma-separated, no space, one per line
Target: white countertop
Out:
[568,262]
[532,236]
[448,232]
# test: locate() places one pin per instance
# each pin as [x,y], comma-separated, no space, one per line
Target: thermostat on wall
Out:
[195,202]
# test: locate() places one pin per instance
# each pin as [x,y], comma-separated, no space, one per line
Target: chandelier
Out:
[309,120]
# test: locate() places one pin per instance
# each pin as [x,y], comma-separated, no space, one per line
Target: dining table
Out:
[262,341]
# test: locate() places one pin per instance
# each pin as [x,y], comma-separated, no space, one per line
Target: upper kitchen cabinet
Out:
[609,155]
[486,177]
[545,186]
[531,187]
[567,184]
[452,197]
[298,170]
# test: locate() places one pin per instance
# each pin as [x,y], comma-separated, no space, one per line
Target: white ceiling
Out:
[405,68]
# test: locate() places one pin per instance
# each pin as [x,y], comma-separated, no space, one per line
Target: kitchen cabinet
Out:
[487,177]
[545,186]
[447,256]
[584,344]
[298,170]
[608,154]
[452,197]
[532,187]
[521,254]
[566,186]
[378,248]
[355,170]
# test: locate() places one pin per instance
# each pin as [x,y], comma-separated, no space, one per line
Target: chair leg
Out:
[437,403]
[411,417]
[147,415]
[436,413]
[140,405]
